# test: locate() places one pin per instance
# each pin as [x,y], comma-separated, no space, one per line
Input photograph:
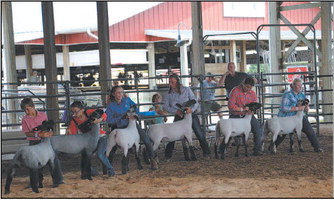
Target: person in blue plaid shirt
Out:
[289,107]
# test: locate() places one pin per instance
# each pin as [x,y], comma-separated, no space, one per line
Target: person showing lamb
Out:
[35,157]
[289,107]
[238,98]
[179,94]
[31,120]
[80,124]
[116,110]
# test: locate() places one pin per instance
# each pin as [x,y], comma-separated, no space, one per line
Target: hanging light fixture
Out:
[179,42]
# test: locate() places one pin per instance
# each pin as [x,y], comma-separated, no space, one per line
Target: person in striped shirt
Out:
[239,97]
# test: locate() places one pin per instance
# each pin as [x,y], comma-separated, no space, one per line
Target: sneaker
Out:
[319,150]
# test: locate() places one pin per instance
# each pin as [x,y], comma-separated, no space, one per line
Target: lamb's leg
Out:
[244,138]
[223,149]
[185,150]
[83,166]
[9,179]
[215,146]
[291,142]
[89,165]
[145,156]
[237,142]
[40,178]
[124,165]
[137,156]
[34,179]
[273,145]
[191,148]
[301,148]
[58,174]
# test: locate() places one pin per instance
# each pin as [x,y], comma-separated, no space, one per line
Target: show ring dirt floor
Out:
[284,175]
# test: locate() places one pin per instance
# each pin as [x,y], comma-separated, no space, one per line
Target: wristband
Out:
[36,134]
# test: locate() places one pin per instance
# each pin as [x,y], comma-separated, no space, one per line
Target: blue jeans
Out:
[101,153]
[256,130]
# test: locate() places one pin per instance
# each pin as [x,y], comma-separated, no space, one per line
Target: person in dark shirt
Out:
[232,78]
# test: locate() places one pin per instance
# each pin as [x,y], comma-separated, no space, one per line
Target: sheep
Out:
[126,138]
[234,127]
[85,144]
[36,157]
[178,130]
[283,126]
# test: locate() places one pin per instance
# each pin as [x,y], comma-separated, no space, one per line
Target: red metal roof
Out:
[167,16]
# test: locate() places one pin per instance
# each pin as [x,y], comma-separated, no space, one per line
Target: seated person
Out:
[239,97]
[289,107]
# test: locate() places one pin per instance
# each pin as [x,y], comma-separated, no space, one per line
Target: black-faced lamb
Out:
[283,126]
[85,144]
[233,127]
[126,138]
[179,130]
[35,157]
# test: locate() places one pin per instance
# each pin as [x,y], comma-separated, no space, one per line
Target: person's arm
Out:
[72,128]
[167,104]
[221,81]
[191,96]
[113,117]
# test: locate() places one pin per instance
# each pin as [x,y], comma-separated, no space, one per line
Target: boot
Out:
[154,164]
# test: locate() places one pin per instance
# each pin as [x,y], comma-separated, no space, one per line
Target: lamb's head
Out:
[132,112]
[97,114]
[303,102]
[47,125]
[254,106]
[186,104]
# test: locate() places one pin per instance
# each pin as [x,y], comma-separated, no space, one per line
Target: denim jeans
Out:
[308,130]
[256,130]
[200,134]
[101,153]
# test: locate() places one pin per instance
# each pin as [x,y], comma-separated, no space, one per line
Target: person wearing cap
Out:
[209,94]
[232,78]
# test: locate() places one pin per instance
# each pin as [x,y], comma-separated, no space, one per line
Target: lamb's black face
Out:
[254,106]
[96,114]
[303,102]
[46,125]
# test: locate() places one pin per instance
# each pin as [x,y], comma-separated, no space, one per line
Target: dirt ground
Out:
[284,175]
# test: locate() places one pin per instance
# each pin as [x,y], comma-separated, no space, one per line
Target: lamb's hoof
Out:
[319,150]
[90,178]
[140,167]
[123,172]
[246,155]
[301,150]
[291,151]
[40,186]
[36,191]
[236,155]
[84,177]
[193,158]
[7,192]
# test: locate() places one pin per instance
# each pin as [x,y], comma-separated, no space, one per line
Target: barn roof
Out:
[161,22]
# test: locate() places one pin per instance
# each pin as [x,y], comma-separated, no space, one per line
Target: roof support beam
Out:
[197,47]
[50,61]
[326,50]
[9,67]
[104,48]
[300,6]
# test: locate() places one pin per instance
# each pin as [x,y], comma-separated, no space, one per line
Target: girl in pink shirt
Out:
[32,119]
